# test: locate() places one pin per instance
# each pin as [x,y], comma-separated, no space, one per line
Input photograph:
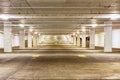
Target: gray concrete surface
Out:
[59,65]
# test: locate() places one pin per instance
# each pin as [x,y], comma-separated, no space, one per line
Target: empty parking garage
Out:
[59,39]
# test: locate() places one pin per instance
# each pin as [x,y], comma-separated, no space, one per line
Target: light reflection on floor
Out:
[40,64]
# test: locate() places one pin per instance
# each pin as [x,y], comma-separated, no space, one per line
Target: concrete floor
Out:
[60,63]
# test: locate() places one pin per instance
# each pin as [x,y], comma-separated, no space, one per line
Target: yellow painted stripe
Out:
[81,55]
[36,55]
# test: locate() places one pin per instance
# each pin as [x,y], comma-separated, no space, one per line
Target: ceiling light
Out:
[73,33]
[22,21]
[94,25]
[21,25]
[94,20]
[78,32]
[114,16]
[31,30]
[83,29]
[5,17]
[35,32]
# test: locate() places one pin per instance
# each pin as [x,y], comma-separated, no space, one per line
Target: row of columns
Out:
[32,39]
[107,38]
[77,40]
[8,38]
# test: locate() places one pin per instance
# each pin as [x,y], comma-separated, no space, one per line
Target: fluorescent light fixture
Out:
[73,33]
[35,32]
[94,20]
[114,16]
[78,32]
[5,16]
[31,30]
[87,35]
[23,21]
[80,36]
[94,25]
[83,29]
[21,25]
[8,16]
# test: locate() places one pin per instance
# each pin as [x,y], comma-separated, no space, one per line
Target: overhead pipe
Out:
[56,7]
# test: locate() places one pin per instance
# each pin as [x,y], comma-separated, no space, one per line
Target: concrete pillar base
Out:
[7,37]
[108,37]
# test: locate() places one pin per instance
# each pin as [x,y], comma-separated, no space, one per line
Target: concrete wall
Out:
[99,39]
[51,39]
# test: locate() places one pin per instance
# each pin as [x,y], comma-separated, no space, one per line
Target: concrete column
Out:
[83,39]
[38,39]
[22,38]
[74,40]
[34,40]
[78,40]
[92,38]
[7,36]
[108,37]
[29,40]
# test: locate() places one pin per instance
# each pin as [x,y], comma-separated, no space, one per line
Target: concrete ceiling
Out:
[59,16]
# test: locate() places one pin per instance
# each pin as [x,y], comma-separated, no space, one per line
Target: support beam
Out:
[22,38]
[74,40]
[29,40]
[92,38]
[38,39]
[40,36]
[83,39]
[7,36]
[78,40]
[108,37]
[34,40]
